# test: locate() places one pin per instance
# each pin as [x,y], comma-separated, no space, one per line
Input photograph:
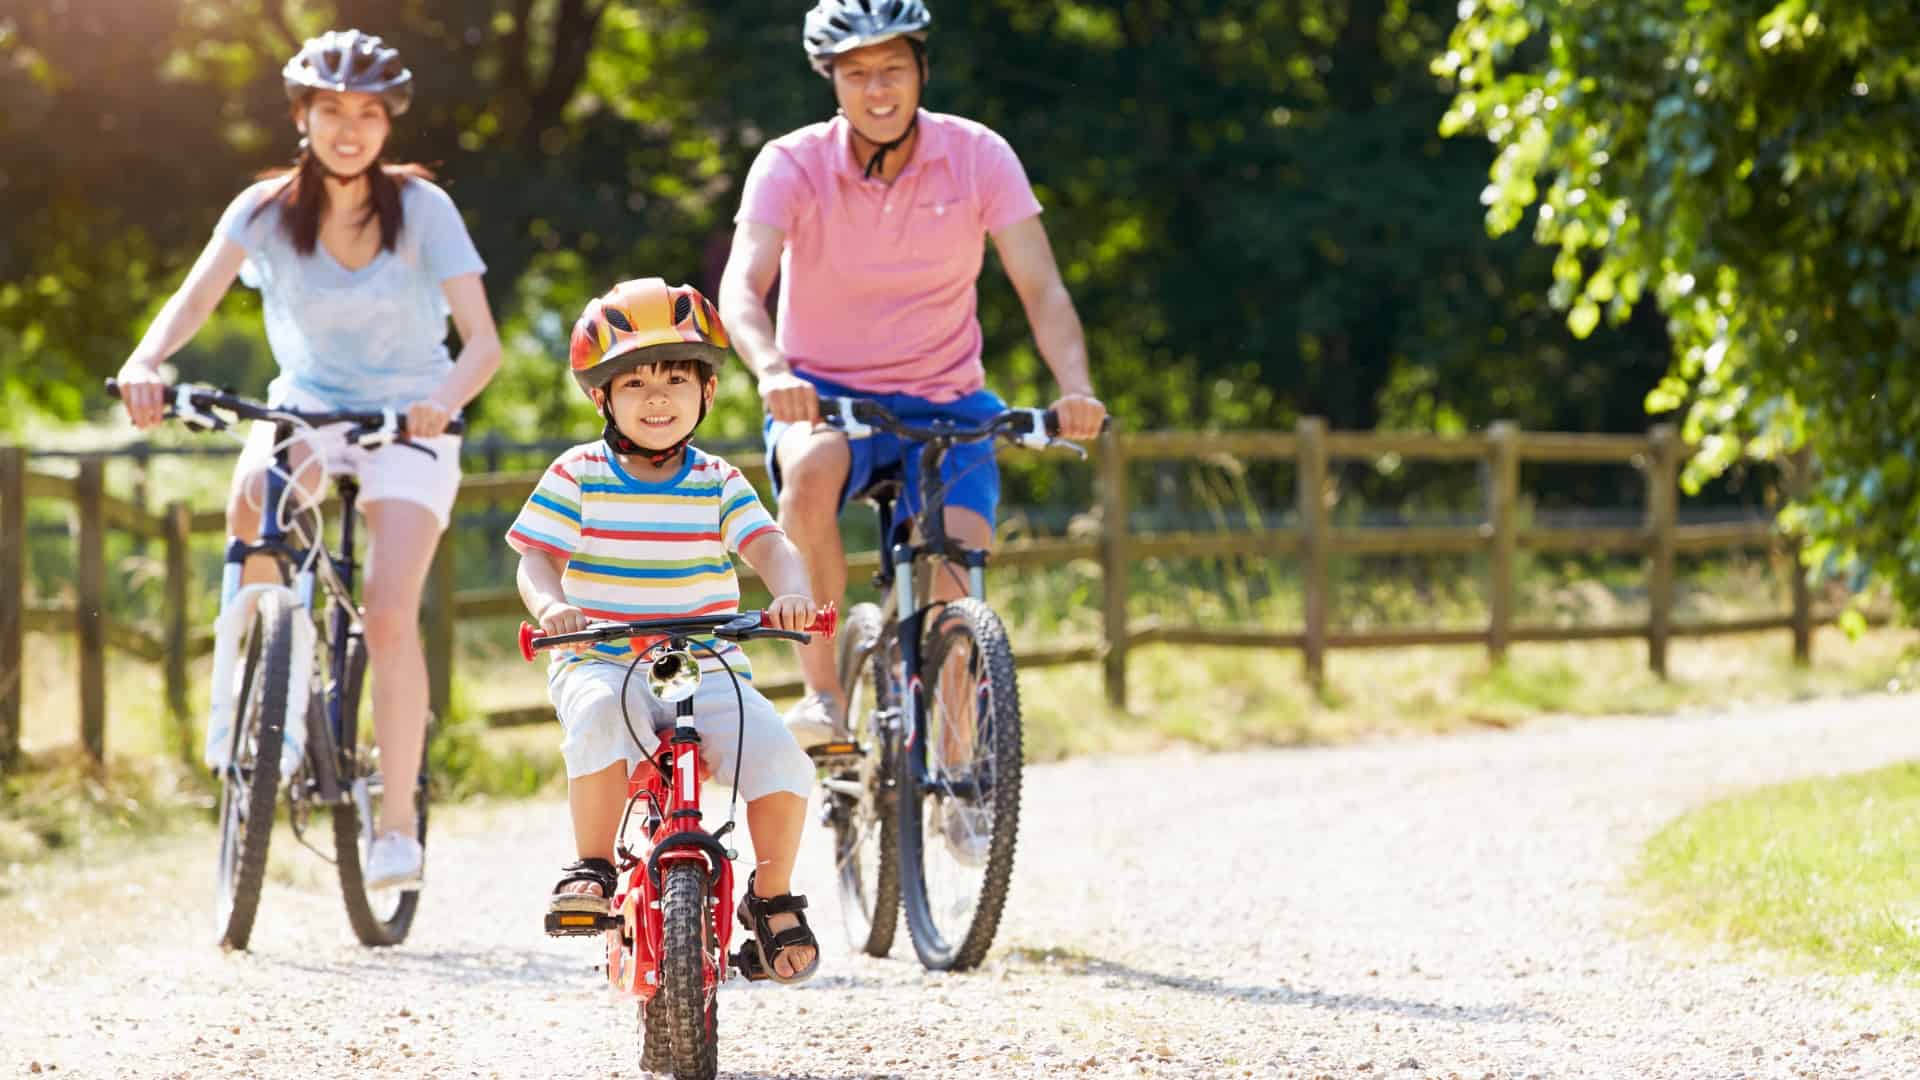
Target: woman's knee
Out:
[388,624]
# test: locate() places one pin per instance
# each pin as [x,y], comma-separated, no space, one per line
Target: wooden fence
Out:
[1313,541]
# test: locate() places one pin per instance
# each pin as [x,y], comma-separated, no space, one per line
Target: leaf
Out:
[1583,318]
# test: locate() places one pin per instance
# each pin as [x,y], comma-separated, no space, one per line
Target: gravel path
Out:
[1433,908]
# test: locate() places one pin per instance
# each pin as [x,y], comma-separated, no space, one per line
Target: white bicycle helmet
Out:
[348,60]
[836,27]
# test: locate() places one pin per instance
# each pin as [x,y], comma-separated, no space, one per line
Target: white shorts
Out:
[389,472]
[586,697]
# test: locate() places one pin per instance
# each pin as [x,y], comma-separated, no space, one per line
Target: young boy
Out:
[639,524]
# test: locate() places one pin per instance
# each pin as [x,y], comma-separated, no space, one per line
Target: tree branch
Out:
[573,35]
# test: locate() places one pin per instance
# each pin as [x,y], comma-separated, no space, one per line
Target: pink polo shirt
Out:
[877,281]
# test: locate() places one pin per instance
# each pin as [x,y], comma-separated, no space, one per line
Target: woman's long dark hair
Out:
[303,198]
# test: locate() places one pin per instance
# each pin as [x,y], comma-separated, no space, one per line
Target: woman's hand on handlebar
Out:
[788,398]
[427,418]
[791,611]
[144,392]
[1080,416]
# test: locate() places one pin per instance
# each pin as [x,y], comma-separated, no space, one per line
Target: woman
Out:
[358,263]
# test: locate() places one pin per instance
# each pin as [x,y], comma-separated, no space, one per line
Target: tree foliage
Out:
[1251,202]
[1751,167]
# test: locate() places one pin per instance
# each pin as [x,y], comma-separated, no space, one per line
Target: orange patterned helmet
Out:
[644,321]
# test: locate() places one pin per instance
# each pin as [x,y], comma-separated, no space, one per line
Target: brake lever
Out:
[848,425]
[180,405]
[1070,445]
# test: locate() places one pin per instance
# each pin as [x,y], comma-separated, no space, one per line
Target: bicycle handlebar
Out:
[190,402]
[1035,429]
[735,626]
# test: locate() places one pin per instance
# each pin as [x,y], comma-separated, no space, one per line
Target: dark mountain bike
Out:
[924,797]
[270,716]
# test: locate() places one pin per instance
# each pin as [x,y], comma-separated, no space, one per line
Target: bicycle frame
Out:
[899,552]
[667,786]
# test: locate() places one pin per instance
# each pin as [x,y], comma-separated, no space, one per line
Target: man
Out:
[875,224]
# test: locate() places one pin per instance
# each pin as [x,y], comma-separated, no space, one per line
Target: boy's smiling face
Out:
[657,405]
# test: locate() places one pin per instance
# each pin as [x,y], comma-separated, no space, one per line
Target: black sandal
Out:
[595,871]
[752,913]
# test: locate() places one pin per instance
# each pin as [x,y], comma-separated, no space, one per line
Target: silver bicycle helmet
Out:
[837,27]
[348,60]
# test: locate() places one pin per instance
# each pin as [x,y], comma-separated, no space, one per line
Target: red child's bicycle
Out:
[669,924]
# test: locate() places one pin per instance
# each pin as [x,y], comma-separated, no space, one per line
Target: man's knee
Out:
[812,473]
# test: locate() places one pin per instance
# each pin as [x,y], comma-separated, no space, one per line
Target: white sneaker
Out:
[394,863]
[817,719]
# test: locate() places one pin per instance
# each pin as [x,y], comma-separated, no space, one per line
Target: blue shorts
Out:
[969,473]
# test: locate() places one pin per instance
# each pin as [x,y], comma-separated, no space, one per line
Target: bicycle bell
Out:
[673,676]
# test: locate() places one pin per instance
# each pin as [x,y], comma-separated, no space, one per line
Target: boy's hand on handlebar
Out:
[788,398]
[791,611]
[144,392]
[427,418]
[561,617]
[1080,416]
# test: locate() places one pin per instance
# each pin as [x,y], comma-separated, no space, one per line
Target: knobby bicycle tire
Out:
[869,896]
[692,1013]
[375,929]
[942,948]
[262,724]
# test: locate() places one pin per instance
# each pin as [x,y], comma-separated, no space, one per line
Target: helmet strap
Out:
[878,160]
[618,442]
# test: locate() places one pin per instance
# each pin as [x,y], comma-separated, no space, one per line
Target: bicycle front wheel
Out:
[686,991]
[379,918]
[250,785]
[959,802]
[859,794]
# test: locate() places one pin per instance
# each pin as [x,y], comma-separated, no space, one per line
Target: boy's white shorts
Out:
[586,697]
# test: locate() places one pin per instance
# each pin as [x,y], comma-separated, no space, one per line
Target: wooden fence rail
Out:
[1313,541]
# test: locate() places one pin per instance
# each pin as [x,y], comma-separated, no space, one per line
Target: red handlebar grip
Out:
[527,633]
[823,622]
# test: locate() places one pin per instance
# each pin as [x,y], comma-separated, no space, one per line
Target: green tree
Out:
[1750,166]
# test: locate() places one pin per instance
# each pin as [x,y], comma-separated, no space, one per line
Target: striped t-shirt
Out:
[635,549]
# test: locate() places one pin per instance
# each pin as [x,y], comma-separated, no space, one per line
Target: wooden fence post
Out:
[1799,478]
[13,598]
[1503,491]
[440,629]
[177,528]
[89,608]
[1663,495]
[1311,484]
[1113,564]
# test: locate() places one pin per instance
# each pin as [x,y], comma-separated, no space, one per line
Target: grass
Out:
[1820,870]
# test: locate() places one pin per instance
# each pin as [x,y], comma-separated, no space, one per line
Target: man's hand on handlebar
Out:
[1080,416]
[788,398]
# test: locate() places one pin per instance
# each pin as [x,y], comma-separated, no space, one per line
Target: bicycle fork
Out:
[237,603]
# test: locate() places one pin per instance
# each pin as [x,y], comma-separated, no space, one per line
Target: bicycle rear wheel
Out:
[686,948]
[251,783]
[859,796]
[959,821]
[379,918]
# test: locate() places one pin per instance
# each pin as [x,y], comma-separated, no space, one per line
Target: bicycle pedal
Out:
[746,959]
[828,753]
[580,923]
